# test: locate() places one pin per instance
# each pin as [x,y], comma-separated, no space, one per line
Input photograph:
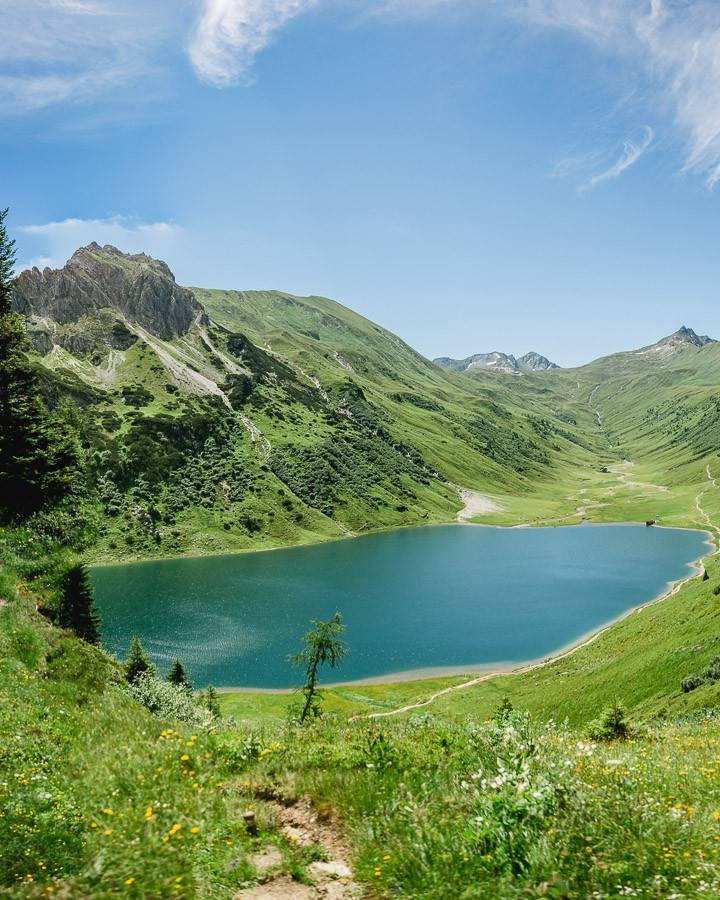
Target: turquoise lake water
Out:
[424,598]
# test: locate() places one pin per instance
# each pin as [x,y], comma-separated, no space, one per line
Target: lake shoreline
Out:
[486,671]
[131,561]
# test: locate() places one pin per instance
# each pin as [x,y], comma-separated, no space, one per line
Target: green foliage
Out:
[208,697]
[169,700]
[77,607]
[511,808]
[7,265]
[178,676]
[323,646]
[138,663]
[39,459]
[346,465]
[417,400]
[611,725]
[710,673]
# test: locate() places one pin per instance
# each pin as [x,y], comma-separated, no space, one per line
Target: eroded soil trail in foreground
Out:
[303,825]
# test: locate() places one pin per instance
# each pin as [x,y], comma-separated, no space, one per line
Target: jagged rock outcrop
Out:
[139,287]
[681,339]
[534,362]
[504,362]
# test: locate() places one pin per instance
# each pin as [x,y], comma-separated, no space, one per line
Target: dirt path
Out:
[701,511]
[303,825]
[623,478]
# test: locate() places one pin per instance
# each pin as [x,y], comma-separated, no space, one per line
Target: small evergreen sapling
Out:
[77,607]
[138,662]
[178,676]
[210,700]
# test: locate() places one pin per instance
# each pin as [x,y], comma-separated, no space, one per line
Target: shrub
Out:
[611,725]
[691,682]
[169,701]
[711,672]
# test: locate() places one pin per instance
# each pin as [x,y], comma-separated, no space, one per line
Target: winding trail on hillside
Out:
[522,670]
[704,515]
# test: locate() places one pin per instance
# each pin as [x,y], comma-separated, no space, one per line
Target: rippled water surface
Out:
[412,599]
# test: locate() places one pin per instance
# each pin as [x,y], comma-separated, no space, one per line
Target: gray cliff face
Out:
[143,290]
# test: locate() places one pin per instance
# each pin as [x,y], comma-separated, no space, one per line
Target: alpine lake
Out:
[424,600]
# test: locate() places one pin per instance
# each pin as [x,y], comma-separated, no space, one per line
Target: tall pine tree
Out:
[7,264]
[38,463]
[77,607]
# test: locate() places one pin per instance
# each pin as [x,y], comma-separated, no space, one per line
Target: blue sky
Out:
[515,175]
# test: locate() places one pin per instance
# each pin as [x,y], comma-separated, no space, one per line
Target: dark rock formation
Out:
[142,289]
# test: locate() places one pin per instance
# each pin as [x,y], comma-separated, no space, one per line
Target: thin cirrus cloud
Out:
[631,153]
[62,51]
[57,241]
[672,52]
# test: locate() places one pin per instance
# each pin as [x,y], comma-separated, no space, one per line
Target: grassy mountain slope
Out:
[271,419]
[274,419]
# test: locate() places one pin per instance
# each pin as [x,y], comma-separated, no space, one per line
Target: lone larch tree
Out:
[323,646]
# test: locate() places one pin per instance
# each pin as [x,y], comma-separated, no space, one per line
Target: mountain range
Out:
[221,419]
[504,362]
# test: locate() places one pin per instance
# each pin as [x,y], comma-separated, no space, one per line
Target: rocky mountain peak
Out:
[502,362]
[142,289]
[681,339]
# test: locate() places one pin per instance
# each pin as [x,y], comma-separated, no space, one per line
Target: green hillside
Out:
[211,420]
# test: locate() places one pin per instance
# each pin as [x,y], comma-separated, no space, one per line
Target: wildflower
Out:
[108,811]
[386,857]
[184,757]
[149,812]
[129,880]
[194,829]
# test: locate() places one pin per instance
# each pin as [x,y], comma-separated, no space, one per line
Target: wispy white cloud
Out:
[672,50]
[61,51]
[230,33]
[57,241]
[630,154]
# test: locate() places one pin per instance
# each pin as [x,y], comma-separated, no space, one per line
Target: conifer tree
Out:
[178,676]
[77,607]
[38,463]
[7,264]
[210,700]
[138,662]
[323,646]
